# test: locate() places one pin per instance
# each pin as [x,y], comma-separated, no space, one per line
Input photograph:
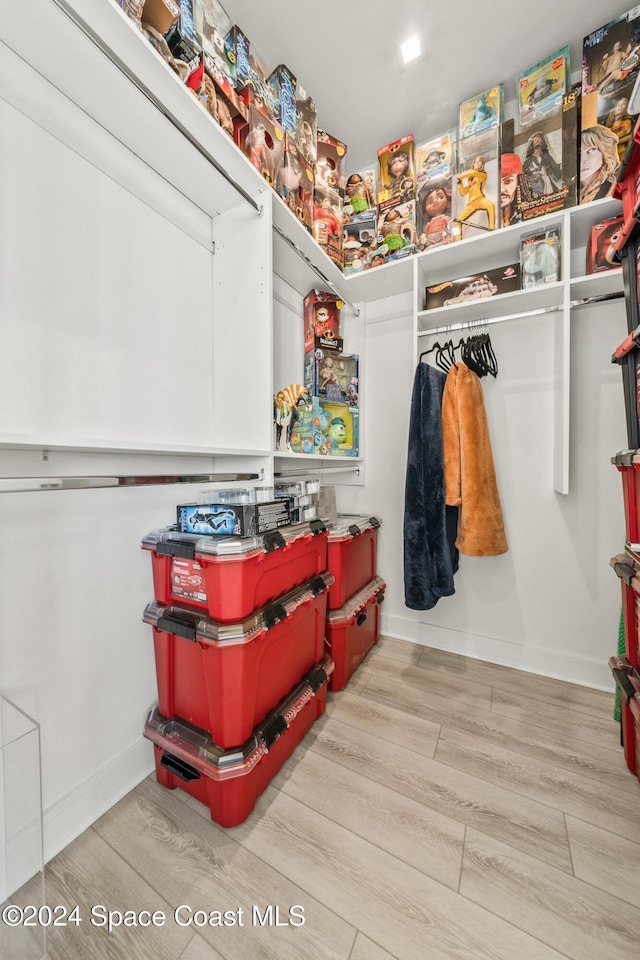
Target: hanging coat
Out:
[430,555]
[470,477]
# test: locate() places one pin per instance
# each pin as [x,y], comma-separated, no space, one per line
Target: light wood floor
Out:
[443,809]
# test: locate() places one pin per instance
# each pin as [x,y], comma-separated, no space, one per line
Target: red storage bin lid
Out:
[197,751]
[357,603]
[348,527]
[624,458]
[194,626]
[188,546]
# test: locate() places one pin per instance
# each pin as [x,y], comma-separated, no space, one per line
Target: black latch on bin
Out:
[273,729]
[317,586]
[625,571]
[375,523]
[174,548]
[624,458]
[360,619]
[316,527]
[316,679]
[273,614]
[624,685]
[380,597]
[178,627]
[273,541]
[355,530]
[184,771]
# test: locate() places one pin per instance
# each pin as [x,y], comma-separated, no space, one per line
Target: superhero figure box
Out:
[283,84]
[322,319]
[396,172]
[329,429]
[479,286]
[330,163]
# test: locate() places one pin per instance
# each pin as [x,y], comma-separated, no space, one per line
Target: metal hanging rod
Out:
[312,266]
[311,473]
[31,484]
[171,117]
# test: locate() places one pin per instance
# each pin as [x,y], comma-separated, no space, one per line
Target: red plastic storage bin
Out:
[351,556]
[224,678]
[353,630]
[628,682]
[230,577]
[627,187]
[230,781]
[627,570]
[630,492]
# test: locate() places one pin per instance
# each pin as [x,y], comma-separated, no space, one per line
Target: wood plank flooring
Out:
[442,809]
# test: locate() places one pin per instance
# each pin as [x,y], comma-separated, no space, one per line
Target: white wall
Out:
[551,604]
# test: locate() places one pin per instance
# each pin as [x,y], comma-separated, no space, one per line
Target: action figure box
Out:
[181,46]
[264,144]
[255,90]
[601,248]
[236,51]
[397,172]
[212,25]
[395,236]
[610,58]
[435,158]
[283,84]
[479,286]
[321,318]
[476,192]
[331,375]
[540,258]
[233,519]
[543,163]
[330,163]
[306,126]
[360,196]
[541,88]
[327,220]
[479,124]
[231,112]
[327,429]
[159,14]
[294,182]
[357,239]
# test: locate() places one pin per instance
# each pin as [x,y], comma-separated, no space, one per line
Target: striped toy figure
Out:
[286,404]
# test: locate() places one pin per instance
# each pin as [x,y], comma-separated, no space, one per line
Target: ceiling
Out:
[344,54]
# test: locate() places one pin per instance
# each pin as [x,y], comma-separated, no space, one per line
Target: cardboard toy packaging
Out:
[479,125]
[330,163]
[357,239]
[476,185]
[132,8]
[610,58]
[328,220]
[540,258]
[332,375]
[328,429]
[236,46]
[540,89]
[159,14]
[264,145]
[230,111]
[434,205]
[306,126]
[396,172]
[360,196]
[178,37]
[601,248]
[294,182]
[211,25]
[231,519]
[283,83]
[479,286]
[395,234]
[321,318]
[435,158]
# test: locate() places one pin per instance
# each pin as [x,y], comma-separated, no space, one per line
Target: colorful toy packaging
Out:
[395,236]
[327,220]
[479,286]
[360,196]
[236,47]
[396,172]
[477,178]
[264,144]
[610,57]
[331,375]
[328,429]
[541,88]
[540,258]
[321,319]
[283,85]
[230,110]
[330,163]
[358,236]
[306,127]
[601,248]
[434,165]
[160,14]
[294,182]
[233,519]
[211,25]
[480,119]
[435,158]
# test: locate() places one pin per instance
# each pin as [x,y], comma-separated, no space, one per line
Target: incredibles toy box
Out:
[327,429]
[330,162]
[352,631]
[327,220]
[232,519]
[478,286]
[230,577]
[224,678]
[230,781]
[306,126]
[601,248]
[396,172]
[331,375]
[352,556]
[294,182]
[264,144]
[321,318]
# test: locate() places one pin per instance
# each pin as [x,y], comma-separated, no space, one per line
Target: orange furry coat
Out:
[469,474]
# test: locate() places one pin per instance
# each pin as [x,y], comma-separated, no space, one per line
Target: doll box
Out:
[395,234]
[358,236]
[352,556]
[627,680]
[327,218]
[331,375]
[231,519]
[295,182]
[306,127]
[353,630]
[397,171]
[601,247]
[360,201]
[327,429]
[479,286]
[229,577]
[230,781]
[330,162]
[321,317]
[224,678]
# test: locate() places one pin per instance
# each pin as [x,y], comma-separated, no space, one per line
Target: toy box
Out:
[132,8]
[230,110]
[435,158]
[327,220]
[396,172]
[211,25]
[294,182]
[479,126]
[357,238]
[306,126]
[332,376]
[321,318]
[541,88]
[479,286]
[601,248]
[330,162]
[540,258]
[328,429]
[395,236]
[264,144]
[236,51]
[182,47]
[283,84]
[159,14]
[360,196]
[434,214]
[233,519]
[353,630]
[476,186]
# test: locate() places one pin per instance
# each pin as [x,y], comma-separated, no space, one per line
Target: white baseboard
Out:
[507,653]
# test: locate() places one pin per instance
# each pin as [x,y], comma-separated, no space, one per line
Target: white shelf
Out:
[532,298]
[583,218]
[15,441]
[596,284]
[385,281]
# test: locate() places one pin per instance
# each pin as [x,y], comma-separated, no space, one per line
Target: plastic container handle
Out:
[169,548]
[273,730]
[361,618]
[624,685]
[625,572]
[183,771]
[178,627]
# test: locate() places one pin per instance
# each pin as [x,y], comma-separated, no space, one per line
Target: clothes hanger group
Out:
[476,352]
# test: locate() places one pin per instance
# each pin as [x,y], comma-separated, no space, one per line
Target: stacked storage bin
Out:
[353,618]
[238,628]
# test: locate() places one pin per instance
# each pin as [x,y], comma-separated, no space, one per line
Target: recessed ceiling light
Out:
[410,50]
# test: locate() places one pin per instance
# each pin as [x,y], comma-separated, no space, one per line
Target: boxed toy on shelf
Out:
[540,88]
[434,165]
[283,84]
[330,162]
[211,25]
[540,258]
[396,172]
[360,196]
[479,286]
[477,168]
[232,516]
[601,248]
[294,182]
[133,9]
[331,375]
[159,14]
[358,237]
[328,429]
[395,234]
[306,126]
[230,110]
[327,220]
[322,320]
[264,144]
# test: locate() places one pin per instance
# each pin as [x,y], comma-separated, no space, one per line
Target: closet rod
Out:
[122,66]
[316,270]
[312,473]
[31,484]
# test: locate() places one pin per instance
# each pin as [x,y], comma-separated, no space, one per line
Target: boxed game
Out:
[321,318]
[357,238]
[360,196]
[283,84]
[233,519]
[331,375]
[264,144]
[327,220]
[306,127]
[541,88]
[490,283]
[328,429]
[330,163]
[480,119]
[601,248]
[540,258]
[396,172]
[294,181]
[396,234]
